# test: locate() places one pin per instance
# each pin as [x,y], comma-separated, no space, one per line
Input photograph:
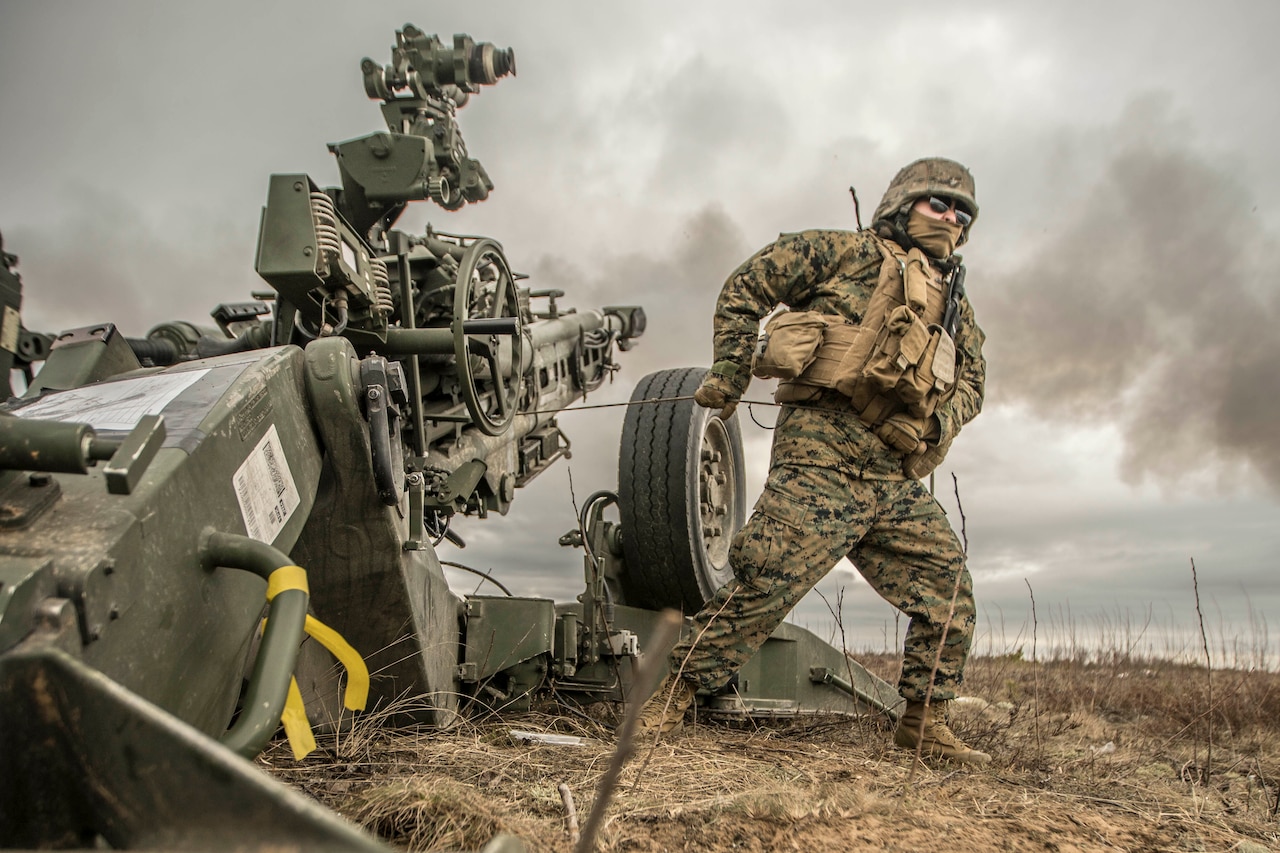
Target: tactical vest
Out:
[899,358]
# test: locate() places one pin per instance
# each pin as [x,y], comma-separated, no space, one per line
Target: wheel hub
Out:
[716,491]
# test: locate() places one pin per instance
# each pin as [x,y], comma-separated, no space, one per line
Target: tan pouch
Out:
[788,345]
[842,344]
[916,281]
[900,344]
[934,375]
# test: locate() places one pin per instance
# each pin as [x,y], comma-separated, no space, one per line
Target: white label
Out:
[265,489]
[10,329]
[113,405]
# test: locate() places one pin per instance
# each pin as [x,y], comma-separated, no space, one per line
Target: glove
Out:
[716,392]
[904,433]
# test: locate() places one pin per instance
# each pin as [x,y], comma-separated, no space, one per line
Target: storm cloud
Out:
[1121,265]
[1150,304]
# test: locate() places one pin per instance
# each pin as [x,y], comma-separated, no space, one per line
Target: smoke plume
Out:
[1153,306]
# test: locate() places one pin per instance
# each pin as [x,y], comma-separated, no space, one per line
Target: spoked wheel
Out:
[487,332]
[681,493]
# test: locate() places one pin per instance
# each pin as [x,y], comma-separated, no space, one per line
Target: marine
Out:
[881,362]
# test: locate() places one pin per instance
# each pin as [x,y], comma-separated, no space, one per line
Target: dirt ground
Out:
[1086,758]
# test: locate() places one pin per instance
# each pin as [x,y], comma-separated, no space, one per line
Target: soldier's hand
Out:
[712,394]
[904,433]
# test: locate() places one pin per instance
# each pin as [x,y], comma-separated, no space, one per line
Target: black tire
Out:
[681,494]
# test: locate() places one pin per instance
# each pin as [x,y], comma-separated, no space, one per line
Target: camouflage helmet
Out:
[925,177]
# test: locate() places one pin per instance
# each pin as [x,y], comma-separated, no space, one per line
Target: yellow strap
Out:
[287,577]
[294,717]
[301,739]
[357,693]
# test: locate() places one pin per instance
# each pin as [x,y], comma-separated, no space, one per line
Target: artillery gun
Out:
[320,438]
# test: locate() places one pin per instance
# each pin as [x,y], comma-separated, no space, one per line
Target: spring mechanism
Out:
[326,221]
[382,300]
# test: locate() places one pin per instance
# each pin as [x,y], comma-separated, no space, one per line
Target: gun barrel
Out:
[566,327]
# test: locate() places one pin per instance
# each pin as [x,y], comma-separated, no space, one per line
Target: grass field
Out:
[1117,753]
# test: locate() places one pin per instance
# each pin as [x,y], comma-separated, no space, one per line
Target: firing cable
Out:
[490,578]
[574,408]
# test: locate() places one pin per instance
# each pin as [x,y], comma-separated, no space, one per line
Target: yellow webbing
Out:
[357,692]
[294,717]
[296,727]
[287,577]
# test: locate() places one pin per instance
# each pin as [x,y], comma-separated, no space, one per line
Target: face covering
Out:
[936,236]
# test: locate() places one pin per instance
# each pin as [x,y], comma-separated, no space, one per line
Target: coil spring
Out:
[326,221]
[382,300]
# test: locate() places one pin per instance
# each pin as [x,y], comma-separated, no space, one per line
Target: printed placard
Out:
[115,405]
[265,489]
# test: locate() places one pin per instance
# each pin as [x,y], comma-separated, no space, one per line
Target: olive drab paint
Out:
[318,442]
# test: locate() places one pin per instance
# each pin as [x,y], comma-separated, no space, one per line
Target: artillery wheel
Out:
[478,346]
[681,494]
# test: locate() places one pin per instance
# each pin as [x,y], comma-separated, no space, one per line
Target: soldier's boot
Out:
[663,713]
[927,728]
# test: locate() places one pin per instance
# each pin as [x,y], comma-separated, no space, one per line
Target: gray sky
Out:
[1122,266]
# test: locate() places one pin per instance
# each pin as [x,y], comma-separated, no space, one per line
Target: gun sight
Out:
[430,69]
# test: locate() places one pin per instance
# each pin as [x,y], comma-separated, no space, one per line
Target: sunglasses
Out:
[942,205]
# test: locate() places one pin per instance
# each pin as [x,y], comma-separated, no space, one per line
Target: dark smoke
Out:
[108,262]
[1155,307]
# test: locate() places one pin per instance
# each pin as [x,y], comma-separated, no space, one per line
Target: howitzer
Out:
[299,460]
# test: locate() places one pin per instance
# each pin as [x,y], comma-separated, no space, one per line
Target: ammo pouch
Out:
[789,344]
[921,373]
[904,365]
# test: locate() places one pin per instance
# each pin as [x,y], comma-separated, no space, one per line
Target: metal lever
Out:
[135,453]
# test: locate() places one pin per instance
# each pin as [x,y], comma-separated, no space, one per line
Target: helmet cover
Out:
[929,176]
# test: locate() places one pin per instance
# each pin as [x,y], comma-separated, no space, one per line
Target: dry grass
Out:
[1116,766]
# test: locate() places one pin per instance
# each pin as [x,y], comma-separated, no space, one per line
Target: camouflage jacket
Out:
[833,272]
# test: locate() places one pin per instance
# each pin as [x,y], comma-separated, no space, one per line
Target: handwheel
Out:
[488,331]
[681,493]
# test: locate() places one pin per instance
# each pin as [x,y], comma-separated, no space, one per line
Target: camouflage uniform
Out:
[834,488]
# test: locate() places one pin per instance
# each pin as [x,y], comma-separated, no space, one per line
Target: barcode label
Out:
[265,489]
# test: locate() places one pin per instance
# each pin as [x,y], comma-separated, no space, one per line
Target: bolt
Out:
[374,394]
[39,480]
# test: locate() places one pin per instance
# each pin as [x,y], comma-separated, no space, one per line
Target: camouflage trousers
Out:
[896,535]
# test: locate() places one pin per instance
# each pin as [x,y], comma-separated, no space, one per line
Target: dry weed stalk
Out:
[837,613]
[946,628]
[1208,664]
[646,682]
[570,812]
[1035,672]
[675,681]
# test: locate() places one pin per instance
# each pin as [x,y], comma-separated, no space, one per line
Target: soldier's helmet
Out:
[923,178]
